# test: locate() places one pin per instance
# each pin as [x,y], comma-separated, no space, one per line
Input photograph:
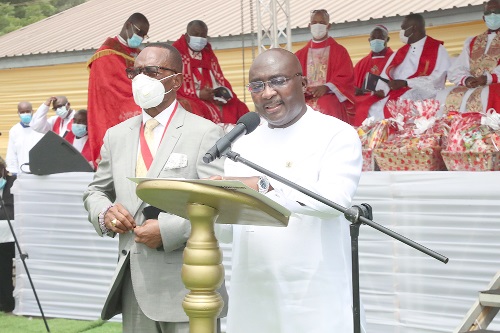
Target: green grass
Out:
[19,324]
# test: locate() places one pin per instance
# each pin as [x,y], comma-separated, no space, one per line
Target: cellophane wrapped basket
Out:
[416,146]
[474,142]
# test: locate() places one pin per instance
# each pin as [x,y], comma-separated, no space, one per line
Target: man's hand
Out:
[359,92]
[149,234]
[471,82]
[482,80]
[397,84]
[207,94]
[318,91]
[118,219]
[50,100]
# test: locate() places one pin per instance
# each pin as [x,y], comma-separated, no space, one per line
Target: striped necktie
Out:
[141,170]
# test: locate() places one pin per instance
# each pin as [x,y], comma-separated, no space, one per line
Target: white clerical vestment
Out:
[297,279]
[422,87]
[460,70]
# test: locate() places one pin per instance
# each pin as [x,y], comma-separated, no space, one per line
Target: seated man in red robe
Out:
[110,99]
[203,86]
[476,71]
[328,68]
[416,71]
[375,61]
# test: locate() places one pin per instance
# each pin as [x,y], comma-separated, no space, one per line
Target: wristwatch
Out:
[263,184]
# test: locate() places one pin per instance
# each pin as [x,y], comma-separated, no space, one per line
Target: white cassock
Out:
[21,140]
[297,279]
[422,87]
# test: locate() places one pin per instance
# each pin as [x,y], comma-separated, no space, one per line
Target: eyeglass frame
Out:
[145,37]
[141,70]
[268,82]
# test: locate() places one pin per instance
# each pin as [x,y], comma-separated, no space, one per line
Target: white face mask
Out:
[62,111]
[402,36]
[197,43]
[148,92]
[319,30]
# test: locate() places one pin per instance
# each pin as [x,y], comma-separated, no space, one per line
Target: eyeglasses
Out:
[314,11]
[145,36]
[151,71]
[275,82]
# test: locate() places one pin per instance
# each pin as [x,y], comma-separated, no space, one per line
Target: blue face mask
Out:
[25,118]
[492,21]
[3,181]
[134,41]
[377,45]
[79,130]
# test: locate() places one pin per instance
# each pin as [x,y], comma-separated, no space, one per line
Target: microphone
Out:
[246,124]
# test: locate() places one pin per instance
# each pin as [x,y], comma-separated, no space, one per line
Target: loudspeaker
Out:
[53,154]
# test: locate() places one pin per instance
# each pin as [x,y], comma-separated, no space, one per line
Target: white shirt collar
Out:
[163,116]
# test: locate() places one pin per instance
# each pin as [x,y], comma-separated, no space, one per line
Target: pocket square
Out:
[176,161]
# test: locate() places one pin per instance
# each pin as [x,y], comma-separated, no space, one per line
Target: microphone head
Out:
[250,120]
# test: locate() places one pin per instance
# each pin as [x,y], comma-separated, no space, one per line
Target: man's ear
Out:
[304,83]
[178,79]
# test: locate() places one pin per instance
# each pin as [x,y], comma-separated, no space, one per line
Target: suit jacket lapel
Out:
[167,145]
[132,141]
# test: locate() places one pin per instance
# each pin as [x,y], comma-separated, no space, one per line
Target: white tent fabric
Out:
[454,213]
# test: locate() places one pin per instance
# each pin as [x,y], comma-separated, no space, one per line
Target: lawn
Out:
[10,323]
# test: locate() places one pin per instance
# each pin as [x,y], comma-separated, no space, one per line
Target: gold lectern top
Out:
[235,202]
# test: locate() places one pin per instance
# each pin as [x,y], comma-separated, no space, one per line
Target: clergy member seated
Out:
[415,71]
[475,72]
[328,68]
[60,123]
[202,78]
[78,136]
[375,61]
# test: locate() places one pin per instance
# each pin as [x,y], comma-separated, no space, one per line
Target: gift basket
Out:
[372,134]
[473,142]
[416,142]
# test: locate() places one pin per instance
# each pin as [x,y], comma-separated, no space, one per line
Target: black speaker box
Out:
[53,154]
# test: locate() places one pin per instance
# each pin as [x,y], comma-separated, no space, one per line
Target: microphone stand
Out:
[23,257]
[357,215]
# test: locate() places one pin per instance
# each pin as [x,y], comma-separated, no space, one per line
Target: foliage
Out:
[15,14]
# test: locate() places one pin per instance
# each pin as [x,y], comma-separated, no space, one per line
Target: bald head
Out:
[24,107]
[277,87]
[274,58]
[138,18]
[492,6]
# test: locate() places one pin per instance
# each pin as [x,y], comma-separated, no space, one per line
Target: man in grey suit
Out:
[147,287]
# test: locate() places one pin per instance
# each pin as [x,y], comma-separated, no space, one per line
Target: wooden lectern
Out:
[205,202]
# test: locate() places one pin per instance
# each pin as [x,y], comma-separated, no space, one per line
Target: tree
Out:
[15,14]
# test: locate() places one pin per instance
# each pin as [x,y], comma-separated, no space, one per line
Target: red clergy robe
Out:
[372,65]
[110,98]
[426,65]
[231,111]
[339,71]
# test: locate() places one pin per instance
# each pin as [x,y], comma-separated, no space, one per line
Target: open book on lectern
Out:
[236,203]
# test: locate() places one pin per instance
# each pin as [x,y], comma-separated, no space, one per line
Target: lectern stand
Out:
[204,202]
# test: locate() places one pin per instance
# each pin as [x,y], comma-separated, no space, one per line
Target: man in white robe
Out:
[416,71]
[295,279]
